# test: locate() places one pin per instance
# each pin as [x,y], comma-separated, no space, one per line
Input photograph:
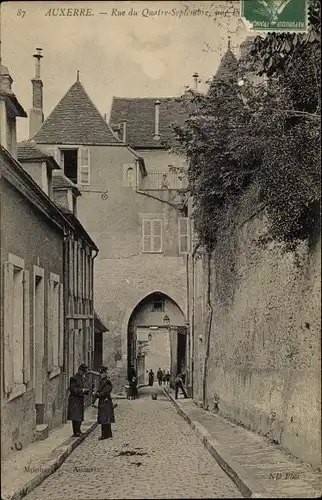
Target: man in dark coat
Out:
[76,399]
[179,385]
[105,414]
[151,378]
[159,376]
[133,383]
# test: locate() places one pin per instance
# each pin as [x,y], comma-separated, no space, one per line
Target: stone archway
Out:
[151,344]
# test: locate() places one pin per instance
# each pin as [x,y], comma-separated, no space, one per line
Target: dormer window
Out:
[75,164]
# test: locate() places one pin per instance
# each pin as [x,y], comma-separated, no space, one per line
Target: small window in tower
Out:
[130,176]
[158,306]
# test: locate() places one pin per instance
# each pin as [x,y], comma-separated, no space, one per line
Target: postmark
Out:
[275,15]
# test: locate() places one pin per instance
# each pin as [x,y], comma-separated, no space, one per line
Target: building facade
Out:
[132,207]
[47,320]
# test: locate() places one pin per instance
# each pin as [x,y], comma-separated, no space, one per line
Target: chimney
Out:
[157,120]
[124,130]
[36,116]
[5,80]
[195,77]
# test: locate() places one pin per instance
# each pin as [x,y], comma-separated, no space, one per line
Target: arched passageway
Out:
[157,337]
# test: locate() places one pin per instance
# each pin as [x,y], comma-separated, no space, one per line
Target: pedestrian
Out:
[133,383]
[164,379]
[179,385]
[105,414]
[159,376]
[77,390]
[151,378]
[168,377]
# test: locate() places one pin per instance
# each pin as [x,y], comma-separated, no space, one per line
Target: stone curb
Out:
[243,479]
[51,463]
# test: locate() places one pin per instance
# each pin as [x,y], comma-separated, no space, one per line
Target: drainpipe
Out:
[92,311]
[205,371]
[66,263]
[192,327]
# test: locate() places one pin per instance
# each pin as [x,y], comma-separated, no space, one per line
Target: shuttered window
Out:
[55,325]
[16,320]
[184,236]
[83,166]
[152,235]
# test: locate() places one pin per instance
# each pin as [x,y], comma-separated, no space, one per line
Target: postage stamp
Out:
[275,15]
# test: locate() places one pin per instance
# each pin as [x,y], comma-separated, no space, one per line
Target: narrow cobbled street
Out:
[153,454]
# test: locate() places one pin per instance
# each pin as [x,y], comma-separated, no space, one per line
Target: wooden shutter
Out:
[8,327]
[83,166]
[61,326]
[26,327]
[147,235]
[50,326]
[183,235]
[157,235]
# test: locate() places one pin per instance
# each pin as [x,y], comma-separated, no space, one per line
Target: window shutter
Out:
[61,326]
[50,327]
[157,235]
[183,235]
[26,327]
[84,166]
[8,327]
[147,235]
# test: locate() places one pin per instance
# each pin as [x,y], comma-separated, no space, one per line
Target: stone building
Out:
[47,325]
[131,207]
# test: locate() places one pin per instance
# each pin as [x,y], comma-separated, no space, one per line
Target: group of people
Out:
[77,392]
[162,377]
[105,414]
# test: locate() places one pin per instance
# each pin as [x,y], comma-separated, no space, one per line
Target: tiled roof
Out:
[139,114]
[75,120]
[228,67]
[78,226]
[28,151]
[60,181]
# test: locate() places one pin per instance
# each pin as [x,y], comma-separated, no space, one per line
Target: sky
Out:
[117,53]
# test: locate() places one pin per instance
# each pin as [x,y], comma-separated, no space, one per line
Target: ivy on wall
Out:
[265,133]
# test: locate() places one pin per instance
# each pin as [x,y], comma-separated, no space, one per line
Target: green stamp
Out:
[275,15]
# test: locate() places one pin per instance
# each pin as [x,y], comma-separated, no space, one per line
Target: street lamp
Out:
[166,321]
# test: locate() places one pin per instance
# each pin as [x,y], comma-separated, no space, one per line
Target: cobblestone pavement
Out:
[153,454]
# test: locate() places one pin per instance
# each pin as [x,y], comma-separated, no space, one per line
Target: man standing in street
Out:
[159,376]
[179,385]
[105,415]
[76,399]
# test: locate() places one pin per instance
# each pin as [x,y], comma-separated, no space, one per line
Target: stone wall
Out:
[264,366]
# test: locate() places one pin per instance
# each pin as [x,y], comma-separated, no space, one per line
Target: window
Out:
[76,165]
[16,327]
[158,306]
[184,237]
[129,173]
[55,330]
[152,235]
